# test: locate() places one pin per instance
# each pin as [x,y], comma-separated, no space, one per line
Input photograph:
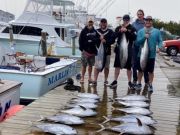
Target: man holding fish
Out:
[138,24]
[126,35]
[106,39]
[150,37]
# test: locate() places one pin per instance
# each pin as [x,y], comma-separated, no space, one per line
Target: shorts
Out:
[128,63]
[107,64]
[149,67]
[87,60]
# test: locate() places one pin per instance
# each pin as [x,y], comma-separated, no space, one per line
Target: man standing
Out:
[87,45]
[138,24]
[130,35]
[154,38]
[105,37]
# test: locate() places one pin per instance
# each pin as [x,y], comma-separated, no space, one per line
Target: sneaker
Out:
[106,83]
[130,85]
[134,84]
[138,87]
[93,83]
[113,84]
[150,88]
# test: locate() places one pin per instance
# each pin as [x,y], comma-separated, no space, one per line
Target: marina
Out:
[44,89]
[164,105]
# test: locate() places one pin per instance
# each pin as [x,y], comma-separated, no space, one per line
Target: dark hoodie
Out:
[88,40]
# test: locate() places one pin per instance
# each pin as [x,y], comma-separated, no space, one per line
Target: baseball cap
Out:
[126,17]
[103,20]
[148,18]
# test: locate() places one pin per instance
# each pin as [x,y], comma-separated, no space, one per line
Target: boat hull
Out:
[37,84]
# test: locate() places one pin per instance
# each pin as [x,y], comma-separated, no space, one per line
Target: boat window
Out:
[24,30]
[58,31]
[16,29]
[28,30]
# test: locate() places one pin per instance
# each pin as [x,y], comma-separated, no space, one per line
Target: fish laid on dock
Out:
[130,103]
[65,119]
[144,55]
[57,129]
[133,97]
[130,128]
[80,111]
[132,118]
[84,104]
[88,95]
[83,100]
[135,110]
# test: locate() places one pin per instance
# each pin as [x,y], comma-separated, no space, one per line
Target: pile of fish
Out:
[78,108]
[138,118]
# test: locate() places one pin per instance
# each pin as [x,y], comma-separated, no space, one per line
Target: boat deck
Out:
[164,104]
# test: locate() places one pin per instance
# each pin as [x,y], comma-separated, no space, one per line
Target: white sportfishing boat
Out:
[37,74]
[38,16]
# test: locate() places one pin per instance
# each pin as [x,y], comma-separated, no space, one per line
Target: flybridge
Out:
[47,6]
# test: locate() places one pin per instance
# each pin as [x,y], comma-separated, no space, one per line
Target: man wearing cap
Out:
[87,45]
[154,38]
[130,35]
[106,37]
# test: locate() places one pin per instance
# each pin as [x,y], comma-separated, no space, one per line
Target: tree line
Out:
[172,27]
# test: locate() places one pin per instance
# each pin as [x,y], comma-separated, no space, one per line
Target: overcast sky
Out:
[165,10]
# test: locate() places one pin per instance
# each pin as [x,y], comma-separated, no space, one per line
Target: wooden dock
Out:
[164,105]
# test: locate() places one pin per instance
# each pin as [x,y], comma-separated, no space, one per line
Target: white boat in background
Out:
[38,74]
[9,95]
[39,16]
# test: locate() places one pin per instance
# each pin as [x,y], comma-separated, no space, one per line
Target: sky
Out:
[165,10]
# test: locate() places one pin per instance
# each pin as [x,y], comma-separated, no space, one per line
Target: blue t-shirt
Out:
[154,40]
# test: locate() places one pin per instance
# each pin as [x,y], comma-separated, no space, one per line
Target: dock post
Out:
[43,43]
[73,37]
[73,46]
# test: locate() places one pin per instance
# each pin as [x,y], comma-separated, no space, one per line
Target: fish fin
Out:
[139,122]
[102,128]
[82,107]
[111,100]
[155,122]
[106,119]
[41,118]
[113,108]
[152,127]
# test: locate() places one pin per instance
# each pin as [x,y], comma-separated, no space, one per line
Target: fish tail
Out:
[41,118]
[106,119]
[102,128]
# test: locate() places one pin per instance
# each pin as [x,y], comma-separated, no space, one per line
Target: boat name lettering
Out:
[5,107]
[57,77]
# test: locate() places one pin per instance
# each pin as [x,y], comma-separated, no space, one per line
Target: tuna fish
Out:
[135,110]
[65,119]
[133,97]
[132,119]
[130,103]
[144,55]
[57,129]
[84,100]
[123,51]
[80,111]
[130,128]
[88,95]
[84,104]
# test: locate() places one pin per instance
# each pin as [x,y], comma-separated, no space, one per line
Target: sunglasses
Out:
[148,19]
